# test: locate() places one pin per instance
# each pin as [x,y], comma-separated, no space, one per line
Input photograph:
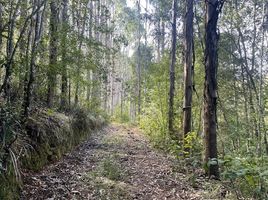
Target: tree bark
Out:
[90,35]
[1,23]
[36,39]
[138,62]
[172,69]
[213,8]
[64,78]
[52,54]
[188,68]
[81,30]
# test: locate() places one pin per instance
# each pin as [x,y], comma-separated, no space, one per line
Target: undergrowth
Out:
[43,137]
[243,176]
[108,179]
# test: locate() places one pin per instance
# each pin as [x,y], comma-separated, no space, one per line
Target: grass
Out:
[107,179]
[117,140]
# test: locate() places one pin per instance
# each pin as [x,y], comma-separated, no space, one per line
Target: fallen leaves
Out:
[144,172]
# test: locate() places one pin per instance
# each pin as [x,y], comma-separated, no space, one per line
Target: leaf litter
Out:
[116,163]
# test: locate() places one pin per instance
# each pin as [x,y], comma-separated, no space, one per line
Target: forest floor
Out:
[117,162]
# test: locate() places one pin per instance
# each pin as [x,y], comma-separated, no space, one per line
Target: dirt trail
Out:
[115,163]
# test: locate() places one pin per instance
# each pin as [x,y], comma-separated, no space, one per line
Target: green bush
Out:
[248,175]
[193,144]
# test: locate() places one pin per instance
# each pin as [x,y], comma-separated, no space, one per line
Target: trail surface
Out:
[115,163]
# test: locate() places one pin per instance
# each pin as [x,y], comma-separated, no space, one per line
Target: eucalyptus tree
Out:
[188,67]
[34,38]
[63,42]
[172,68]
[213,9]
[53,53]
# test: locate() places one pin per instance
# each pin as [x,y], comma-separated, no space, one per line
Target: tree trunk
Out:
[52,54]
[9,52]
[90,35]
[163,37]
[172,69]
[35,42]
[64,79]
[1,23]
[262,125]
[138,62]
[213,8]
[188,68]
[81,25]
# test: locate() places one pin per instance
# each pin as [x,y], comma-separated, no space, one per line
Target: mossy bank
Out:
[48,135]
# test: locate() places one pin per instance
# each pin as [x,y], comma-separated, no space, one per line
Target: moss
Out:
[50,136]
[53,135]
[35,159]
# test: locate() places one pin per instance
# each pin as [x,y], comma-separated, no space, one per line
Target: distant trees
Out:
[54,52]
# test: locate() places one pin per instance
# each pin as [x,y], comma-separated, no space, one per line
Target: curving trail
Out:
[115,163]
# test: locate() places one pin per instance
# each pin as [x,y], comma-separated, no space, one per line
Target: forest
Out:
[133,99]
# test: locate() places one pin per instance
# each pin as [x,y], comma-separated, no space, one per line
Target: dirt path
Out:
[116,163]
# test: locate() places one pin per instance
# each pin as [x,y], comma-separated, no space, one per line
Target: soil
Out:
[117,162]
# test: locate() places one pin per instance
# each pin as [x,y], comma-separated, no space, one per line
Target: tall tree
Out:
[172,68]
[188,67]
[213,9]
[52,53]
[64,79]
[36,25]
[138,61]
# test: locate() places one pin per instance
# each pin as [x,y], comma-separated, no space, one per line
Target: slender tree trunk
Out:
[1,24]
[112,85]
[172,68]
[95,94]
[36,39]
[213,8]
[11,47]
[69,92]
[254,36]
[90,51]
[188,68]
[262,125]
[162,37]
[158,36]
[9,50]
[64,79]
[52,54]
[122,98]
[81,31]
[139,63]
[22,50]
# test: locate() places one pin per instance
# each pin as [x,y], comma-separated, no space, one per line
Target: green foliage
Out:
[111,169]
[81,120]
[48,132]
[9,130]
[121,116]
[193,144]
[248,175]
[9,185]
[153,120]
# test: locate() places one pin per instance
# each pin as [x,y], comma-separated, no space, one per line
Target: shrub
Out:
[248,176]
